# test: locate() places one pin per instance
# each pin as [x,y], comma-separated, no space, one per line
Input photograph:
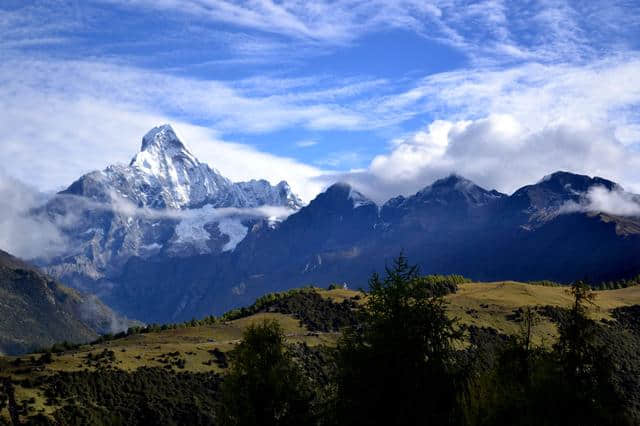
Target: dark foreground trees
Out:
[572,384]
[265,386]
[586,366]
[399,367]
[406,363]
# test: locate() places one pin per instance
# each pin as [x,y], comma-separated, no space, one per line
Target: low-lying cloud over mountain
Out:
[22,232]
[601,199]
[29,233]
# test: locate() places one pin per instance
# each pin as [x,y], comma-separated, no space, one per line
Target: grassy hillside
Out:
[201,349]
[37,311]
[494,304]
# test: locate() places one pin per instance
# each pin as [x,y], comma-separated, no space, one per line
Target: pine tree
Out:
[264,386]
[398,368]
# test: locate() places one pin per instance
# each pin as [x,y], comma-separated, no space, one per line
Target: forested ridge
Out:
[399,359]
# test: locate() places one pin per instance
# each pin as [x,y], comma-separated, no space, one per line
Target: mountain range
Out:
[167,238]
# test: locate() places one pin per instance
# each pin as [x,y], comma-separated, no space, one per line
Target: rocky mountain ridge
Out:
[167,237]
[165,203]
[451,226]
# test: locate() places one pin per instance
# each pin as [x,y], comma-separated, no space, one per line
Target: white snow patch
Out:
[191,229]
[235,230]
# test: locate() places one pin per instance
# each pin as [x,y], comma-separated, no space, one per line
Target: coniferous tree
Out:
[265,386]
[398,368]
[586,365]
[568,385]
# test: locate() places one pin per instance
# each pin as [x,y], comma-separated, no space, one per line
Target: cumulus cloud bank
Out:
[499,152]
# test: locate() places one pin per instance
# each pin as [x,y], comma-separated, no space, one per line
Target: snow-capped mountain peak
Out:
[165,162]
[165,202]
[163,155]
[161,136]
[165,174]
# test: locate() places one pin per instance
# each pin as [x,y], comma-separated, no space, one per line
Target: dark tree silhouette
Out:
[264,386]
[398,368]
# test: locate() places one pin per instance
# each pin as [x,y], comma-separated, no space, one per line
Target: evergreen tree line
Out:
[407,363]
[600,285]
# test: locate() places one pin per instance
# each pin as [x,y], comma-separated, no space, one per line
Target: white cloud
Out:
[24,234]
[51,137]
[324,21]
[216,103]
[76,117]
[486,30]
[507,128]
[614,202]
[536,93]
[496,152]
[341,160]
[550,85]
[241,162]
[123,206]
[306,143]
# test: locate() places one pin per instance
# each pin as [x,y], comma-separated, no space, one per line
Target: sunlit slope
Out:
[494,304]
[188,349]
[198,349]
[479,304]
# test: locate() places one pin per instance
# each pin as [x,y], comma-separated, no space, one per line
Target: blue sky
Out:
[388,95]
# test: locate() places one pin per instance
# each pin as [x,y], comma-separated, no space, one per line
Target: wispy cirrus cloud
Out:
[486,30]
[84,82]
[306,143]
[536,93]
[217,103]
